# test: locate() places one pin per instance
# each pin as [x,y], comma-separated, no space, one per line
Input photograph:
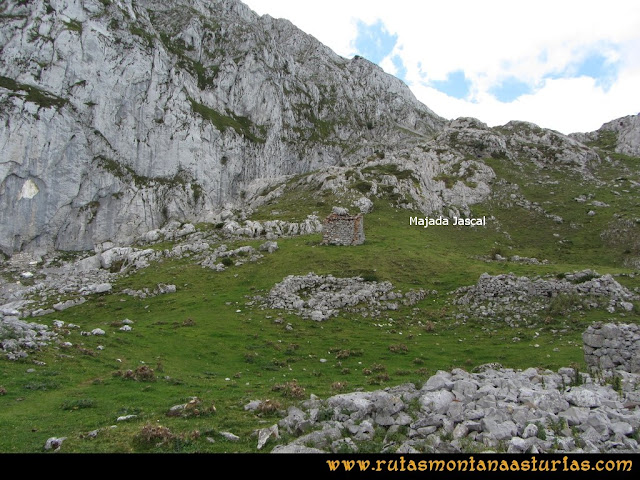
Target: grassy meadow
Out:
[205,340]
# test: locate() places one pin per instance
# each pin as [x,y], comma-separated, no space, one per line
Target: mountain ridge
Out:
[118,117]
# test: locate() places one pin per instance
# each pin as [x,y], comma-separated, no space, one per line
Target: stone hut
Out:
[340,228]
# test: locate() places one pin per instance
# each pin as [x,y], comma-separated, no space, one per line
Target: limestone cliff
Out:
[116,116]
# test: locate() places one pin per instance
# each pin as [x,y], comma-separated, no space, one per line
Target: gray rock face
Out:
[118,116]
[625,132]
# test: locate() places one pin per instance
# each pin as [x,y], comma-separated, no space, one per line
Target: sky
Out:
[562,64]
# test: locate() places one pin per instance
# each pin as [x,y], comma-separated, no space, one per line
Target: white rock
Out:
[54,443]
[124,418]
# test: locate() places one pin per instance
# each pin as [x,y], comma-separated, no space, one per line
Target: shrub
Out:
[563,304]
[193,408]
[78,404]
[338,386]
[542,432]
[348,353]
[143,373]
[189,322]
[362,186]
[577,377]
[250,357]
[45,385]
[290,389]
[429,326]
[227,262]
[269,406]
[399,348]
[153,435]
[377,367]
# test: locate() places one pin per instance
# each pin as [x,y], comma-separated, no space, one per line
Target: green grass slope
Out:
[205,341]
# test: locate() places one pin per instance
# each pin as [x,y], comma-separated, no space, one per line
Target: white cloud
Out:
[491,41]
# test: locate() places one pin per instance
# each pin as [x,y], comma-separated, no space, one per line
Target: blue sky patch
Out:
[456,85]
[510,89]
[401,70]
[374,42]
[598,67]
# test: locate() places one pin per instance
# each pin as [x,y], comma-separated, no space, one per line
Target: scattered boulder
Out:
[269,247]
[54,443]
[230,436]
[265,434]
[125,418]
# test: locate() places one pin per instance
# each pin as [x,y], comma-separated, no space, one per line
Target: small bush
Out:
[153,436]
[615,381]
[564,303]
[227,262]
[250,357]
[86,351]
[558,426]
[46,385]
[378,379]
[268,406]
[399,348]
[141,374]
[377,367]
[189,322]
[577,377]
[429,326]
[290,389]
[362,186]
[339,386]
[324,414]
[193,408]
[78,404]
[348,353]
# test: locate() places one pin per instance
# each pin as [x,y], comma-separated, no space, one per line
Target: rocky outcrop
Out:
[621,134]
[119,116]
[612,346]
[523,300]
[494,409]
[320,297]
[17,337]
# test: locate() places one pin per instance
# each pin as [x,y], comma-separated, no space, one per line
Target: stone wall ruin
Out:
[612,347]
[340,228]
